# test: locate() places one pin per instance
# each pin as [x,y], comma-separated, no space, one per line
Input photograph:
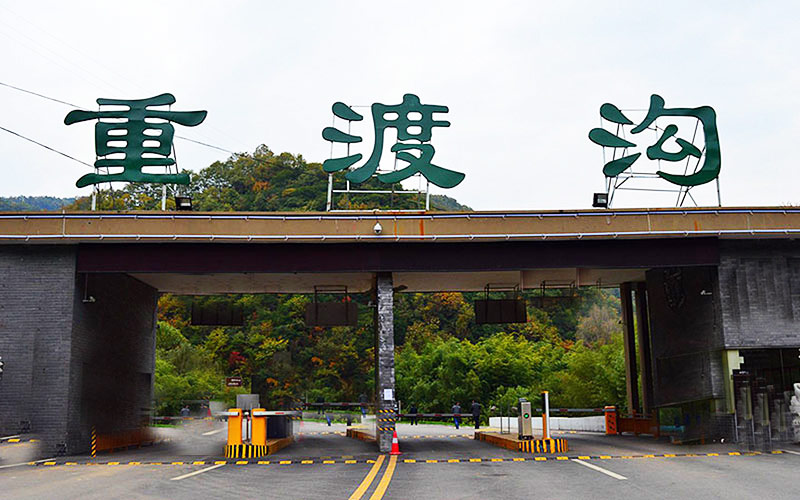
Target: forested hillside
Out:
[572,348]
[33,203]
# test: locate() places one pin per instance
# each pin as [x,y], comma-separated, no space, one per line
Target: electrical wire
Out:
[85,107]
[46,147]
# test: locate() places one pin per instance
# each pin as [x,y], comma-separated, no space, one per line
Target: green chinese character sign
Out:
[129,126]
[417,128]
[707,172]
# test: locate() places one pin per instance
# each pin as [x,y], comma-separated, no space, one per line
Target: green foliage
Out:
[33,203]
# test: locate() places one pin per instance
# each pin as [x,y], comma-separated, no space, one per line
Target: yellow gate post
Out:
[234,426]
[258,434]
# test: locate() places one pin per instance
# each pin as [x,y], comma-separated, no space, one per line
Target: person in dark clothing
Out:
[413,411]
[476,413]
[456,418]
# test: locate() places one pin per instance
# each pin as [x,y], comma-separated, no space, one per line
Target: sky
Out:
[523,81]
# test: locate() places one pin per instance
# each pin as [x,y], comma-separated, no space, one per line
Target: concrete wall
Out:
[585,424]
[760,294]
[69,364]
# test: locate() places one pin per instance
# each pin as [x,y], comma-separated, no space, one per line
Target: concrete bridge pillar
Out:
[384,361]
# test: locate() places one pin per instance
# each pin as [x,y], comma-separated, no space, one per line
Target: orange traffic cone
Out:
[395,445]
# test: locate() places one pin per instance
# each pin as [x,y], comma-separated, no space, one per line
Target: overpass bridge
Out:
[78,292]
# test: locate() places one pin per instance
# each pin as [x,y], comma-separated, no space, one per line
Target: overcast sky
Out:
[524,82]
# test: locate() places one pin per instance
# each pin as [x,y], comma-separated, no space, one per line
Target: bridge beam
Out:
[384,361]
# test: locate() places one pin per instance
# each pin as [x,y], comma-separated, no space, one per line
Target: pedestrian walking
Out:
[413,412]
[476,413]
[185,411]
[457,414]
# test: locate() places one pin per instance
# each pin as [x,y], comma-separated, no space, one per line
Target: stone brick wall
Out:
[760,293]
[37,285]
[686,334]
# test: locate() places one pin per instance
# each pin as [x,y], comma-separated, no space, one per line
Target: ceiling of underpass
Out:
[221,283]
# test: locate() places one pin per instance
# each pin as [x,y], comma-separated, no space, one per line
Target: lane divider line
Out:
[792,452]
[211,433]
[362,488]
[387,477]
[599,469]
[178,478]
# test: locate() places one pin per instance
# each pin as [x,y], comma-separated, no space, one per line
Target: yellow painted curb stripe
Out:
[387,477]
[362,488]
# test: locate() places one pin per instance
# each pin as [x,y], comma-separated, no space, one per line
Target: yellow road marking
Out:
[243,462]
[431,461]
[15,440]
[220,462]
[496,459]
[647,456]
[518,460]
[776,452]
[669,455]
[113,463]
[733,453]
[712,454]
[364,486]
[453,461]
[177,463]
[604,457]
[387,477]
[198,462]
[71,463]
[329,461]
[562,458]
[352,461]
[410,461]
[474,459]
[49,463]
[307,462]
[540,459]
[585,458]
[285,462]
[262,462]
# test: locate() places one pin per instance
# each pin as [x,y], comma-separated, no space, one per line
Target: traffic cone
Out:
[395,445]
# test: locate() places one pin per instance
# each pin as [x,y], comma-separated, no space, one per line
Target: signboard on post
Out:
[233,381]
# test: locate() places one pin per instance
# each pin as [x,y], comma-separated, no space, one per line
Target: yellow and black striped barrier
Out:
[246,450]
[553,445]
[94,442]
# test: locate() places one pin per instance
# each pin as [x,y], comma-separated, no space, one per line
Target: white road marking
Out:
[25,463]
[792,452]
[600,469]
[211,433]
[9,437]
[196,472]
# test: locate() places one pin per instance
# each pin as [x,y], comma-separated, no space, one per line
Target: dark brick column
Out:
[37,286]
[384,361]
[71,364]
[629,345]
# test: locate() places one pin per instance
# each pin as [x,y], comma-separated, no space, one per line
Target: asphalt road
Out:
[437,462]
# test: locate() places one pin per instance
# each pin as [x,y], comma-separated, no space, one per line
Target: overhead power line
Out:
[46,147]
[39,95]
[84,107]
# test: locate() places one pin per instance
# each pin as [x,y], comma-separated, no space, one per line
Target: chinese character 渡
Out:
[397,117]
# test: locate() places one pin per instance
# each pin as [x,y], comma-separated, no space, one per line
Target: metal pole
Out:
[163,197]
[546,431]
[330,193]
[719,196]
